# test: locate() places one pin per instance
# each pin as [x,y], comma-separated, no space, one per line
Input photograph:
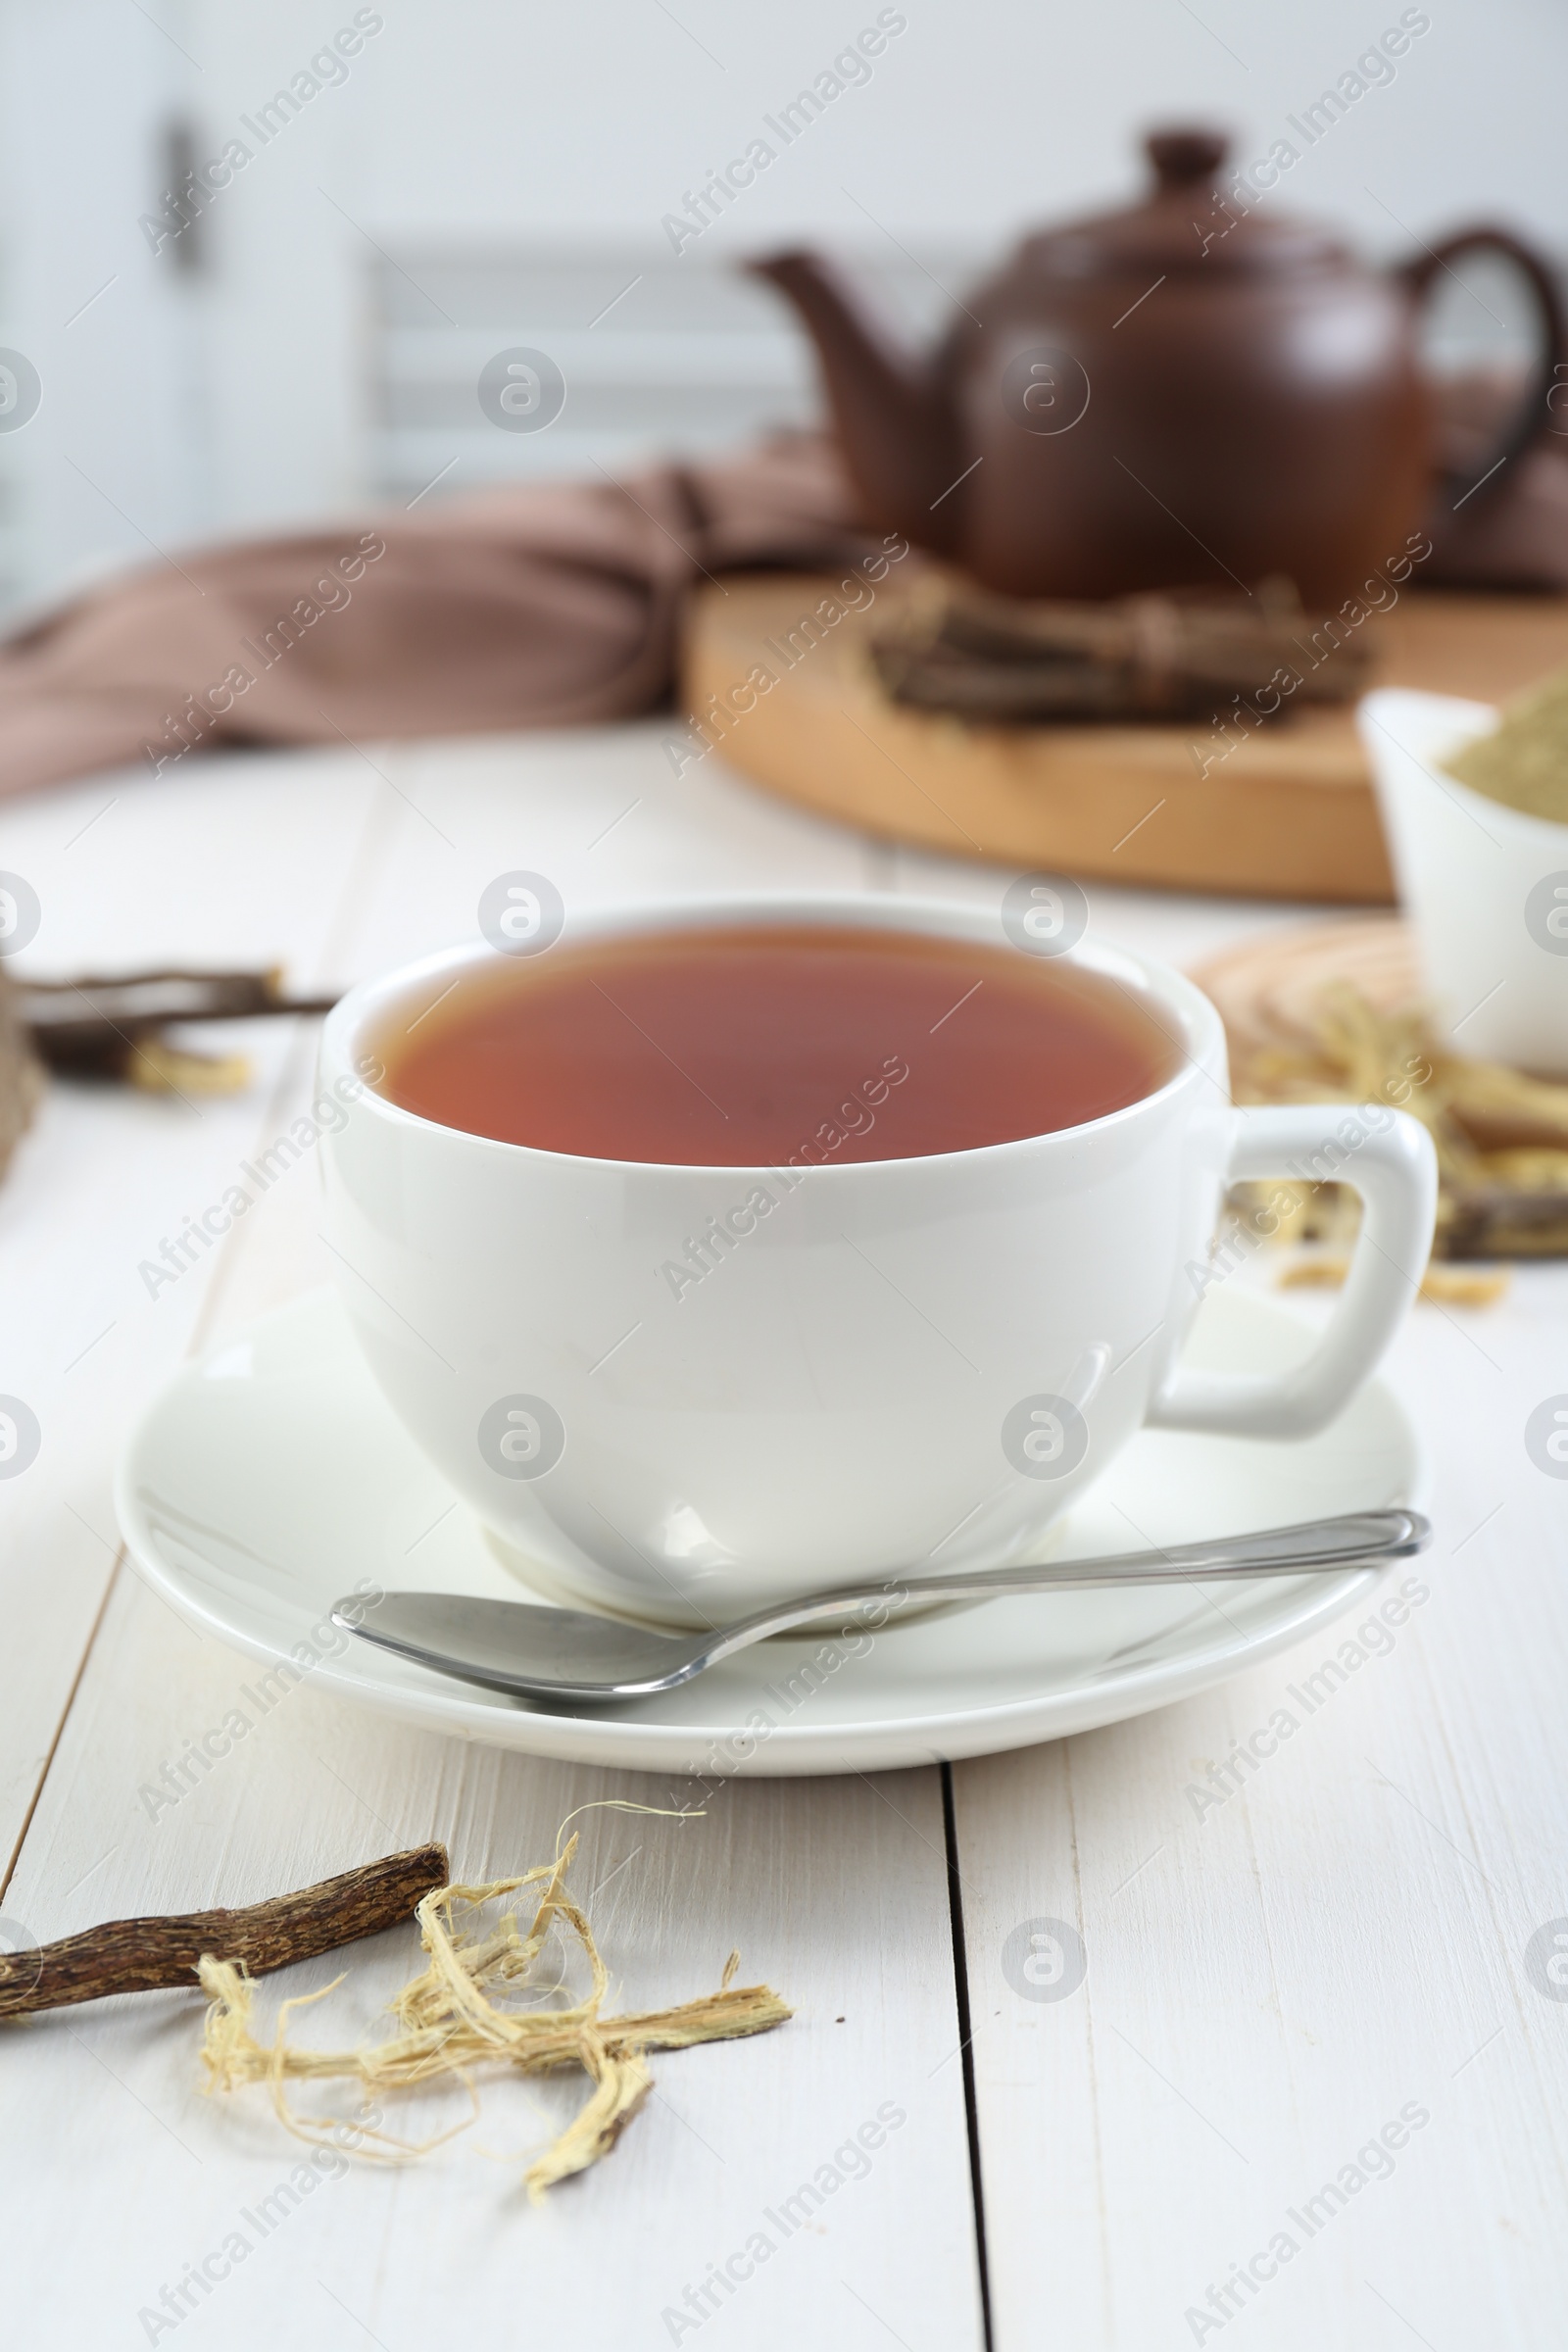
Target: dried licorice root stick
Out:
[136,1955]
[453,2023]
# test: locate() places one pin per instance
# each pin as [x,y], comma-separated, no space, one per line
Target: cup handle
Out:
[1395,1170]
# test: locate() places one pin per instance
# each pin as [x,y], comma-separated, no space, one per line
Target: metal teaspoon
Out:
[548,1653]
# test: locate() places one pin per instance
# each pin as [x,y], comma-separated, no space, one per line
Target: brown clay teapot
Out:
[1166,397]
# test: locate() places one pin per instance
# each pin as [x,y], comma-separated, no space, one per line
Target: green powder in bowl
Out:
[1524,761]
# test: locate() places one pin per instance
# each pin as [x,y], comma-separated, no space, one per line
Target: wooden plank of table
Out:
[836,1890]
[1178,927]
[1274,1980]
[242,864]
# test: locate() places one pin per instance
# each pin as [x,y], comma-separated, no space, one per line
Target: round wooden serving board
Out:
[1289,813]
[1267,990]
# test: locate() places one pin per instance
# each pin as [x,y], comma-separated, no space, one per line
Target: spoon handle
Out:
[1357,1539]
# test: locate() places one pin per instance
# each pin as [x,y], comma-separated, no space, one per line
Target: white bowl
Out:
[1486,886]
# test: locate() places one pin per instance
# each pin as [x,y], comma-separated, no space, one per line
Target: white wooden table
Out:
[1270,1982]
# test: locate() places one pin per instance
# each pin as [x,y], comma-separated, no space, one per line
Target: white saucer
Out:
[271,1478]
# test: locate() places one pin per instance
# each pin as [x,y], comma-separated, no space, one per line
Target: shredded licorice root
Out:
[451,2025]
[1502,1137]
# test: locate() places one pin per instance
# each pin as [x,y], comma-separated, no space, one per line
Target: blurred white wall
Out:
[178,403]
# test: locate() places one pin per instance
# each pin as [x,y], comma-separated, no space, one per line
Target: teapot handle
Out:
[1551,369]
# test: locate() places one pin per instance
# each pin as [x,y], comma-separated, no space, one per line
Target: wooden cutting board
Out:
[1289,813]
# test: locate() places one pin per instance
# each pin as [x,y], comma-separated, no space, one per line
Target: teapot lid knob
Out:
[1181,157]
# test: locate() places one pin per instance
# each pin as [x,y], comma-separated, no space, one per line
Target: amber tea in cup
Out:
[743,1046]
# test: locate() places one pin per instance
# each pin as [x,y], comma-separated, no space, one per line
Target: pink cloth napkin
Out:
[544,606]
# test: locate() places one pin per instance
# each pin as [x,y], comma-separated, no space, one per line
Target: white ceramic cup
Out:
[891,1366]
[1486,885]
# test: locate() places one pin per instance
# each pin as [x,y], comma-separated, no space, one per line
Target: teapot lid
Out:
[1188,220]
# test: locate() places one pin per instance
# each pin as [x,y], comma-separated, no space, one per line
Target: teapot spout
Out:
[891,413]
